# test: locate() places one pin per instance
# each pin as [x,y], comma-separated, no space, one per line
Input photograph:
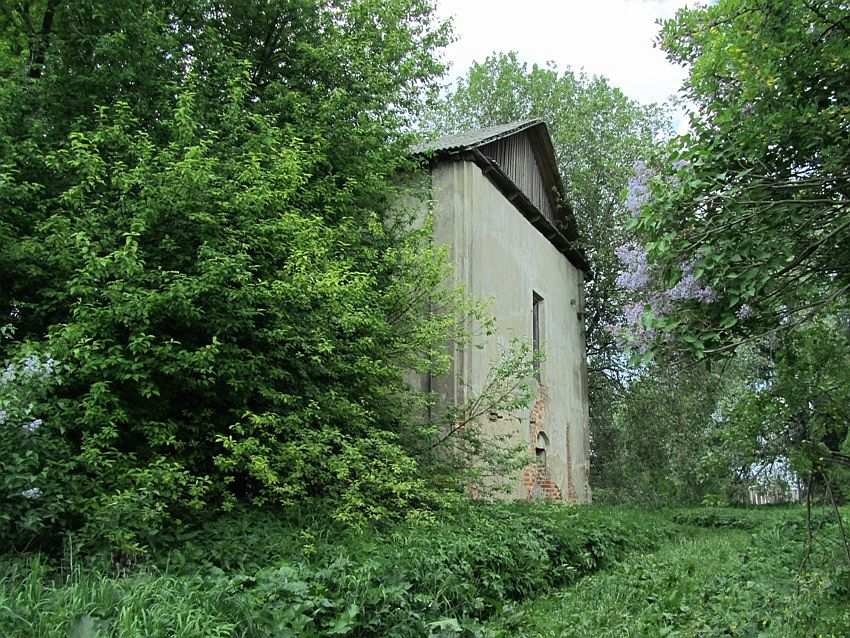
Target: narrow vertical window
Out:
[536,334]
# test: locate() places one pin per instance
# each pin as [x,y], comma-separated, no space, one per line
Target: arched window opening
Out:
[540,449]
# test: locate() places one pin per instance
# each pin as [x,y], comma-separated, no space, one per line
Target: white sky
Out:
[613,38]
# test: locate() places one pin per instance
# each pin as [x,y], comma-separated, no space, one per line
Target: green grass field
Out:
[708,582]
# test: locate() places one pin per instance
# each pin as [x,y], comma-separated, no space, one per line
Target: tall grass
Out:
[35,602]
[738,573]
[443,577]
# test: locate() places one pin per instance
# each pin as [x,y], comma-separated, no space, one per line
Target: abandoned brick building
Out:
[499,206]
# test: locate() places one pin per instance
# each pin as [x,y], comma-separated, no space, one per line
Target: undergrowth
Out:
[737,573]
[737,517]
[253,576]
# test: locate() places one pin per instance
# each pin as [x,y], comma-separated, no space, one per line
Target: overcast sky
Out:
[613,38]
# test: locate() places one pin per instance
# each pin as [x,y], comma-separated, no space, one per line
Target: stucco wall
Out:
[499,256]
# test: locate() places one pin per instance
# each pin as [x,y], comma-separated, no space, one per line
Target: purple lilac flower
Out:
[35,366]
[706,294]
[689,287]
[636,274]
[32,493]
[32,367]
[632,313]
[659,304]
[643,340]
[8,374]
[744,312]
[638,188]
[632,332]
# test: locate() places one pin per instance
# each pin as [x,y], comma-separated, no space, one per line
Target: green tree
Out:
[196,229]
[668,434]
[794,410]
[753,201]
[743,223]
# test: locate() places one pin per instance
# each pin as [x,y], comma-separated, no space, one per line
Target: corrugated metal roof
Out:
[474,138]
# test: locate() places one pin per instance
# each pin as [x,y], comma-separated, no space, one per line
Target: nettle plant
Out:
[29,499]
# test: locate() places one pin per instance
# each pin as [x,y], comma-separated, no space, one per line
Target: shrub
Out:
[714,518]
[206,242]
[35,469]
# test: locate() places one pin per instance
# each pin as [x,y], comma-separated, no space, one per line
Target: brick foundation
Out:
[536,481]
[538,484]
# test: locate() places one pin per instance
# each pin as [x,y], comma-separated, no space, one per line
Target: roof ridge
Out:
[470,138]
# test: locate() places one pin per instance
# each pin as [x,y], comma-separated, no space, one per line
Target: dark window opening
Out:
[536,334]
[540,449]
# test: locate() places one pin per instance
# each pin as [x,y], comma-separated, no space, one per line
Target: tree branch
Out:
[39,42]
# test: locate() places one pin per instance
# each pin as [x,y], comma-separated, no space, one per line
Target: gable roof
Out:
[474,138]
[557,222]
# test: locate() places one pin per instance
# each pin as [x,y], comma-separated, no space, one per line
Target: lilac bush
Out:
[635,328]
[651,299]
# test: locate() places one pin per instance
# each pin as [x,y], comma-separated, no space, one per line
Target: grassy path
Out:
[713,583]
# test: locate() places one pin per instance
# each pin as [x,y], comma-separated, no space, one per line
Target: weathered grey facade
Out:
[499,207]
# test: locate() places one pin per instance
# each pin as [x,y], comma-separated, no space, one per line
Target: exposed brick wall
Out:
[537,417]
[536,481]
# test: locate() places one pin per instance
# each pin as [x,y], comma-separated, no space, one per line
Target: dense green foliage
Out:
[773,417]
[795,409]
[740,231]
[480,571]
[263,578]
[663,451]
[752,201]
[196,234]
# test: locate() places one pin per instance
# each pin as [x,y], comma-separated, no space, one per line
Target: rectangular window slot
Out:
[536,332]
